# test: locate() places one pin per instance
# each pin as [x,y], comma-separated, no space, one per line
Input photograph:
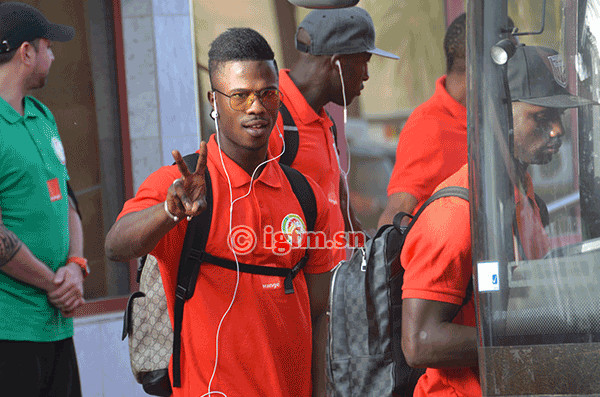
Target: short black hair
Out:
[454,41]
[238,44]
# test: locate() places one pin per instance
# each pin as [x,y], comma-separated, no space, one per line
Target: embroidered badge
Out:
[558,70]
[59,150]
[294,229]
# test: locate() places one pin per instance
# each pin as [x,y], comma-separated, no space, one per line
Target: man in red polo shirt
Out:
[242,335]
[433,143]
[335,47]
[438,332]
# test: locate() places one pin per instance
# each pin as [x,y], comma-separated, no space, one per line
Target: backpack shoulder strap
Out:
[304,193]
[333,127]
[290,136]
[194,244]
[450,191]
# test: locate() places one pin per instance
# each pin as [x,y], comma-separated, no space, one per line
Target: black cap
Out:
[21,22]
[340,31]
[537,75]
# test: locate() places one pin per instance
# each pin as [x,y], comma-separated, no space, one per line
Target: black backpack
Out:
[364,352]
[291,136]
[151,372]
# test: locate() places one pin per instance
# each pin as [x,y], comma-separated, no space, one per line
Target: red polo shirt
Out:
[265,343]
[431,147]
[316,155]
[532,235]
[437,259]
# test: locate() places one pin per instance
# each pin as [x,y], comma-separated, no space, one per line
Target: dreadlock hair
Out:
[238,44]
[454,41]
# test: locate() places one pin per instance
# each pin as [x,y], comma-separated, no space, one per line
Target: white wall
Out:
[161,75]
[103,358]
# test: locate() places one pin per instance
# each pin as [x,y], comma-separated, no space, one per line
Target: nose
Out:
[255,105]
[557,130]
[366,73]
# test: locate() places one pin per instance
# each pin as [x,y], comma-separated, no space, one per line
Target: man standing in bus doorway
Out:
[335,48]
[41,238]
[433,142]
[438,330]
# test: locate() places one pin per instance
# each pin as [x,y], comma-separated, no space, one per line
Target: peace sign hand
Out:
[187,195]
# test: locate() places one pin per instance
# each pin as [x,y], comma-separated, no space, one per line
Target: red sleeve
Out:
[437,253]
[320,259]
[419,159]
[152,191]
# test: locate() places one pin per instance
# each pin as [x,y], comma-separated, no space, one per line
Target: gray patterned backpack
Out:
[364,352]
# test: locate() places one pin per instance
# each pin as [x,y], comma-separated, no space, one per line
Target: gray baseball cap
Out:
[537,75]
[339,31]
[21,22]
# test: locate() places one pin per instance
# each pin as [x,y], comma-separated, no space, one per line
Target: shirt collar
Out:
[12,116]
[456,109]
[293,98]
[529,192]
[238,176]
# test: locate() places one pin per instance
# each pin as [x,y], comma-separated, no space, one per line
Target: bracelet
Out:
[174,218]
[82,263]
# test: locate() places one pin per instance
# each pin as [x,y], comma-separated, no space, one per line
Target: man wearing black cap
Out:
[335,47]
[41,239]
[438,326]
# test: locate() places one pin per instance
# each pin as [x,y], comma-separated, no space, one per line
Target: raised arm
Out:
[137,233]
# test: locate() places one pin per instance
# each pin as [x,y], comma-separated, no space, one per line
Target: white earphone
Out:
[339,65]
[214,114]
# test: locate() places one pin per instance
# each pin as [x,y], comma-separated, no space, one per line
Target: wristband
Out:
[82,263]
[174,218]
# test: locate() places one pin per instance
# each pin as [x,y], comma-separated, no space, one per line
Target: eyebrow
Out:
[245,90]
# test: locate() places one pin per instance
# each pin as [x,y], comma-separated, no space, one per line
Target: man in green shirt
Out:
[41,238]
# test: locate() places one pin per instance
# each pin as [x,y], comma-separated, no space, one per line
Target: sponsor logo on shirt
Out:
[332,199]
[54,190]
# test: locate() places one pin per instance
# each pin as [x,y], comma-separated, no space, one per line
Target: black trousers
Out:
[39,369]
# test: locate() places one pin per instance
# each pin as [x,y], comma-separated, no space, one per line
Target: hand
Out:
[187,195]
[68,294]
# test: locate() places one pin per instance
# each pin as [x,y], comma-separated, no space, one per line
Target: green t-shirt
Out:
[33,198]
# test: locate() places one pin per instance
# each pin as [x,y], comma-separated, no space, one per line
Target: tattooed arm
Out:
[17,261]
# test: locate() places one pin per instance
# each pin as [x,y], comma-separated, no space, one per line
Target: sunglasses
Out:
[270,98]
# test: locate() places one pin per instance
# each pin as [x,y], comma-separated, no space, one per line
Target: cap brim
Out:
[60,33]
[377,51]
[559,101]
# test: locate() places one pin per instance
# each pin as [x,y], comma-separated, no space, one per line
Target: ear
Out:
[27,53]
[211,96]
[333,61]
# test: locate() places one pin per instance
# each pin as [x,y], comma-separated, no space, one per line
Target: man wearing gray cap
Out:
[41,238]
[335,47]
[438,266]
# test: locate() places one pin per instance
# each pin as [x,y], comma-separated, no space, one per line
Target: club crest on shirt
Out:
[294,229]
[59,150]
[558,70]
